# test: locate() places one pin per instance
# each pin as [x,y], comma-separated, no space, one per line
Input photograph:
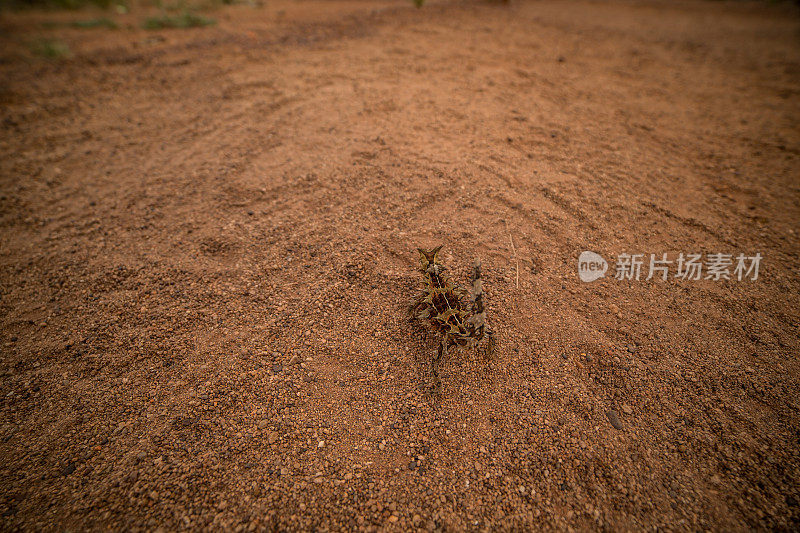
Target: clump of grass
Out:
[102,22]
[51,49]
[184,20]
[419,3]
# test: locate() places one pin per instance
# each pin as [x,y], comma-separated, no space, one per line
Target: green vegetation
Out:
[184,20]
[419,3]
[172,6]
[51,49]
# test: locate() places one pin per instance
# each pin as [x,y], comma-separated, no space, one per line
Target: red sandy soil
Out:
[208,248]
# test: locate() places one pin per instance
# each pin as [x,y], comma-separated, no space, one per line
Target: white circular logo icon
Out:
[591,266]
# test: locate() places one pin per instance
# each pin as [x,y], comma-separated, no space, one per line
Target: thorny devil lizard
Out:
[456,314]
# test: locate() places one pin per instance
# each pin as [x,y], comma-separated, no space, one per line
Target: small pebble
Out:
[613,417]
[68,469]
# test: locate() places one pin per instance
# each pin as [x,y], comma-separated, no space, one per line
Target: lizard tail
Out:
[478,318]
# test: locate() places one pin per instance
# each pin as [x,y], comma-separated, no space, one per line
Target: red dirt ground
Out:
[208,245]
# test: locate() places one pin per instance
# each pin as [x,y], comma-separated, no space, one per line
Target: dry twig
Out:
[514,251]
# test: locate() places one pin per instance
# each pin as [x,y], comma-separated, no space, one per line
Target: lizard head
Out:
[427,258]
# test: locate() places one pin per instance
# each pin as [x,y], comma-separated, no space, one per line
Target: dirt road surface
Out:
[208,247]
